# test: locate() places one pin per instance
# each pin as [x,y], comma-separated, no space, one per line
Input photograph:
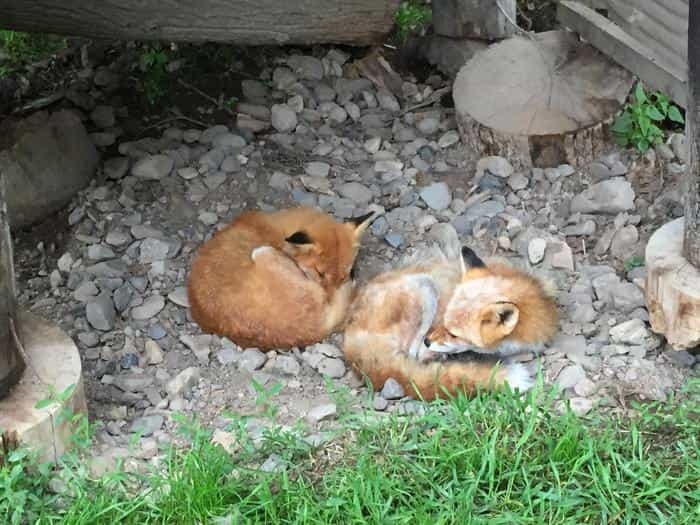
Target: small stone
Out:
[227,440]
[150,308]
[395,240]
[153,353]
[133,382]
[609,196]
[228,141]
[372,145]
[145,426]
[437,196]
[188,173]
[331,367]
[183,382]
[428,126]
[306,67]
[209,218]
[115,168]
[200,346]
[495,165]
[536,249]
[559,255]
[283,364]
[379,403]
[99,252]
[156,331]
[252,359]
[632,332]
[680,358]
[227,356]
[624,242]
[570,376]
[65,262]
[86,291]
[101,313]
[580,405]
[321,413]
[585,388]
[356,192]
[280,181]
[154,167]
[317,169]
[273,463]
[388,101]
[518,181]
[392,389]
[179,297]
[129,360]
[283,118]
[448,139]
[103,116]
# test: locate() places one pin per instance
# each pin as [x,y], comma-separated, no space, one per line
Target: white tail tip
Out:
[518,377]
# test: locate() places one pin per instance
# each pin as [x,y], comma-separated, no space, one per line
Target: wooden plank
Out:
[626,50]
[244,22]
[662,26]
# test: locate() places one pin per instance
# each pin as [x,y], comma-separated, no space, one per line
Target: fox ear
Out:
[299,238]
[501,318]
[360,223]
[470,259]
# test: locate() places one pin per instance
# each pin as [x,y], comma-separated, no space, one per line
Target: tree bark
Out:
[691,238]
[11,363]
[244,22]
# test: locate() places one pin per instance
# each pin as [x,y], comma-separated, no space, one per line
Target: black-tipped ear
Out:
[471,259]
[299,238]
[358,221]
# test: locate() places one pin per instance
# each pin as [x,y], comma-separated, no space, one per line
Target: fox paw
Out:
[260,250]
[518,377]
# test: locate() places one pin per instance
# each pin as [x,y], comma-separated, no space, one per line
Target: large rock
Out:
[45,160]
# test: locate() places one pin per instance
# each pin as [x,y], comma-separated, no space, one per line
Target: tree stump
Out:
[539,100]
[11,363]
[672,288]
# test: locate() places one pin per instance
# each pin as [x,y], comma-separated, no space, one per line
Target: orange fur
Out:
[275,280]
[490,309]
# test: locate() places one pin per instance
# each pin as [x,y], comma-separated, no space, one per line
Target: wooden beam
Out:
[626,50]
[691,185]
[243,22]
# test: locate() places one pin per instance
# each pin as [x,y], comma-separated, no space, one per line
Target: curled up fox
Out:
[442,326]
[276,280]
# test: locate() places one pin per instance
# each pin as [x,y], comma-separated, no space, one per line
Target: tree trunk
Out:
[541,101]
[244,22]
[11,363]
[691,240]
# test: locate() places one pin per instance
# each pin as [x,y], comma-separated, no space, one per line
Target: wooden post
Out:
[691,236]
[11,363]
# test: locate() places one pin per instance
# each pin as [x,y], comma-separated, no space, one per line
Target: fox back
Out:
[272,280]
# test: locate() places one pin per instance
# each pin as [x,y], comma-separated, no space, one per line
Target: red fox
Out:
[276,280]
[422,324]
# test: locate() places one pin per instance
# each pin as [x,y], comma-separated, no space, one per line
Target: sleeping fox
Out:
[442,327]
[276,280]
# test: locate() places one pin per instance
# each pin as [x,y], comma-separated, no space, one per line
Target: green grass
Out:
[497,459]
[20,49]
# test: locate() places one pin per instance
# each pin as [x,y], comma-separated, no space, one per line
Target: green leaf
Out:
[43,403]
[675,115]
[644,125]
[654,114]
[639,94]
[643,145]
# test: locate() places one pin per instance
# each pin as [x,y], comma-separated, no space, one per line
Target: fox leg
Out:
[278,264]
[338,306]
[426,296]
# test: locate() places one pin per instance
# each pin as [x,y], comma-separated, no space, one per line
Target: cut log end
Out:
[539,101]
[672,288]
